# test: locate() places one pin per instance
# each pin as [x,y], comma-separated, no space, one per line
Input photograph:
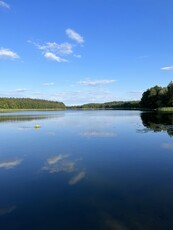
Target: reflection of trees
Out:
[158,122]
[18,118]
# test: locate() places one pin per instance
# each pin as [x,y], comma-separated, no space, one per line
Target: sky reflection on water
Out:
[86,170]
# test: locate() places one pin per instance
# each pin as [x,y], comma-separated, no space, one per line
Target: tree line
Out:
[109,105]
[157,97]
[153,98]
[28,103]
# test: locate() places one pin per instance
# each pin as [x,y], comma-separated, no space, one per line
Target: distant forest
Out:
[153,98]
[28,103]
[109,105]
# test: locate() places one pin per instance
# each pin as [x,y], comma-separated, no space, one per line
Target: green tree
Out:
[152,97]
[170,94]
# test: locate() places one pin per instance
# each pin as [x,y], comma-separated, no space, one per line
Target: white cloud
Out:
[57,51]
[71,97]
[8,54]
[79,97]
[167,68]
[74,36]
[4,5]
[61,49]
[54,57]
[10,164]
[49,84]
[96,82]
[65,48]
[136,92]
[21,90]
[77,55]
[54,51]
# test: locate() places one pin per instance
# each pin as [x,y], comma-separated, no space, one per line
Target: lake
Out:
[86,170]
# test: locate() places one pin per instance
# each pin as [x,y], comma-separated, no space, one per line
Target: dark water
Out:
[86,170]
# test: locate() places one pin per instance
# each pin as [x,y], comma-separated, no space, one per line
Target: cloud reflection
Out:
[167,146]
[62,163]
[10,164]
[7,210]
[59,163]
[77,178]
[55,159]
[98,134]
[111,223]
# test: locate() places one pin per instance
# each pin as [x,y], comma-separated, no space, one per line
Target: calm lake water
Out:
[86,170]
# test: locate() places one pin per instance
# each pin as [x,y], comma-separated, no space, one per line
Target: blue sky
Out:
[82,51]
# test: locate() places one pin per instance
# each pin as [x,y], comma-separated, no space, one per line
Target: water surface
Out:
[86,170]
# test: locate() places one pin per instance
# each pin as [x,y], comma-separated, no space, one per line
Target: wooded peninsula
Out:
[28,103]
[154,98]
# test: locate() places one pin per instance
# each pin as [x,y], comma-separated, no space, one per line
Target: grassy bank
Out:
[165,109]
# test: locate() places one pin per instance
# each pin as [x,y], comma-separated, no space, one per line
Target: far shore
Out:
[162,109]
[23,110]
